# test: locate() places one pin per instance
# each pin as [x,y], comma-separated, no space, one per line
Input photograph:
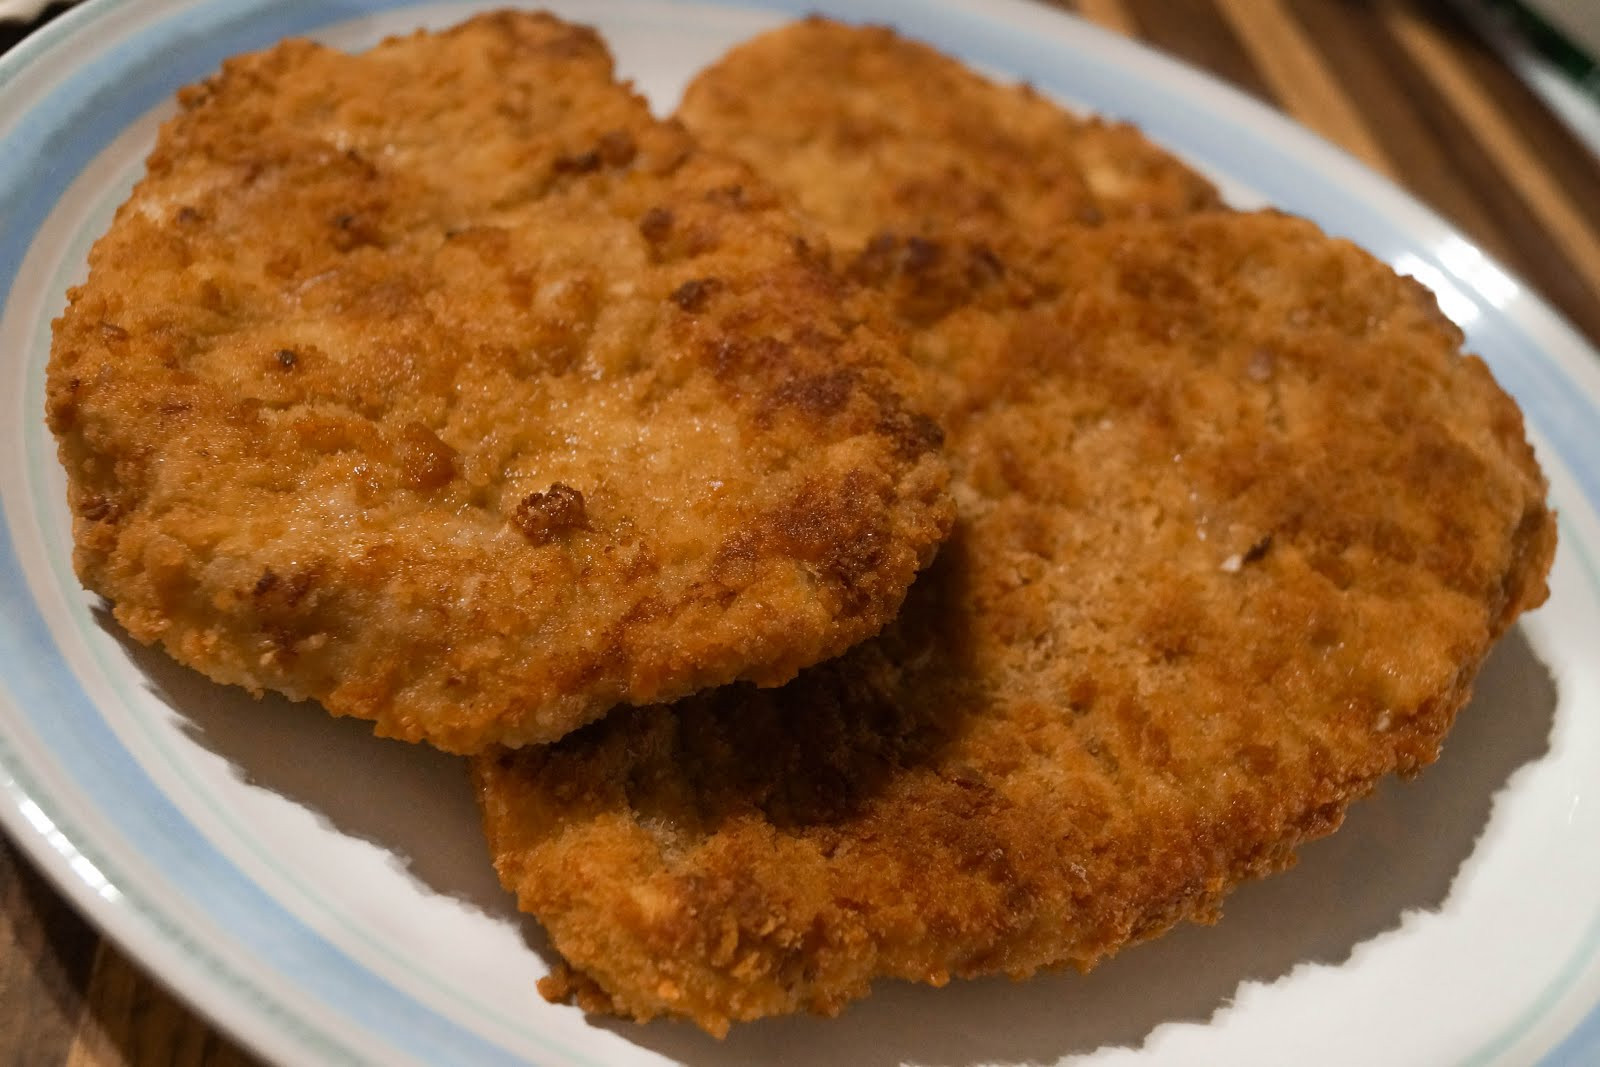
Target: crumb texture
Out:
[444,385]
[1237,524]
[872,133]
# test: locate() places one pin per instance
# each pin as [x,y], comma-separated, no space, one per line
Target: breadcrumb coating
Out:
[1237,525]
[444,385]
[873,133]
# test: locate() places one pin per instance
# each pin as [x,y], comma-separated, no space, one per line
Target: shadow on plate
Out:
[1398,852]
[411,800]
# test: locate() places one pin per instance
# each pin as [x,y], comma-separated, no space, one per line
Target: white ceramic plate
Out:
[327,897]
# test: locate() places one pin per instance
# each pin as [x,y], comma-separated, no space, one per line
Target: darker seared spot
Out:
[425,461]
[1171,629]
[925,279]
[273,592]
[920,254]
[543,517]
[283,642]
[1258,759]
[879,260]
[656,226]
[1257,550]
[839,529]
[617,148]
[820,394]
[287,358]
[580,163]
[356,229]
[368,169]
[97,509]
[1081,694]
[984,262]
[569,42]
[734,564]
[692,295]
[733,356]
[648,610]
[1158,282]
[912,432]
[187,215]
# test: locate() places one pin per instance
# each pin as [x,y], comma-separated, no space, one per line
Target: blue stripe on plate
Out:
[55,140]
[1582,1046]
[63,718]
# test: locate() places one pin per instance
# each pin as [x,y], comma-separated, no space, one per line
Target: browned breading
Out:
[1237,525]
[444,385]
[1131,178]
[874,133]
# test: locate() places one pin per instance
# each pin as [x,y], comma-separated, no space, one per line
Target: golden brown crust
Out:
[874,133]
[444,385]
[1237,525]
[1131,178]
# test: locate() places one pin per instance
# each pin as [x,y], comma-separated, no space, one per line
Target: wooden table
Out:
[1403,84]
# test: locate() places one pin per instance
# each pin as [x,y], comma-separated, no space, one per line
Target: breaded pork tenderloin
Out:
[444,385]
[1238,523]
[873,133]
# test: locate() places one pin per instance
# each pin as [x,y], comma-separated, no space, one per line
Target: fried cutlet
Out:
[446,386]
[874,133]
[1237,524]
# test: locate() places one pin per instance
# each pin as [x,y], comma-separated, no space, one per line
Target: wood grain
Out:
[1194,31]
[46,953]
[1376,74]
[1109,14]
[68,997]
[1492,128]
[128,1019]
[1558,150]
[1401,84]
[1300,78]
[1573,240]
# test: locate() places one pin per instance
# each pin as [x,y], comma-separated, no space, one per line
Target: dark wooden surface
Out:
[1402,84]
